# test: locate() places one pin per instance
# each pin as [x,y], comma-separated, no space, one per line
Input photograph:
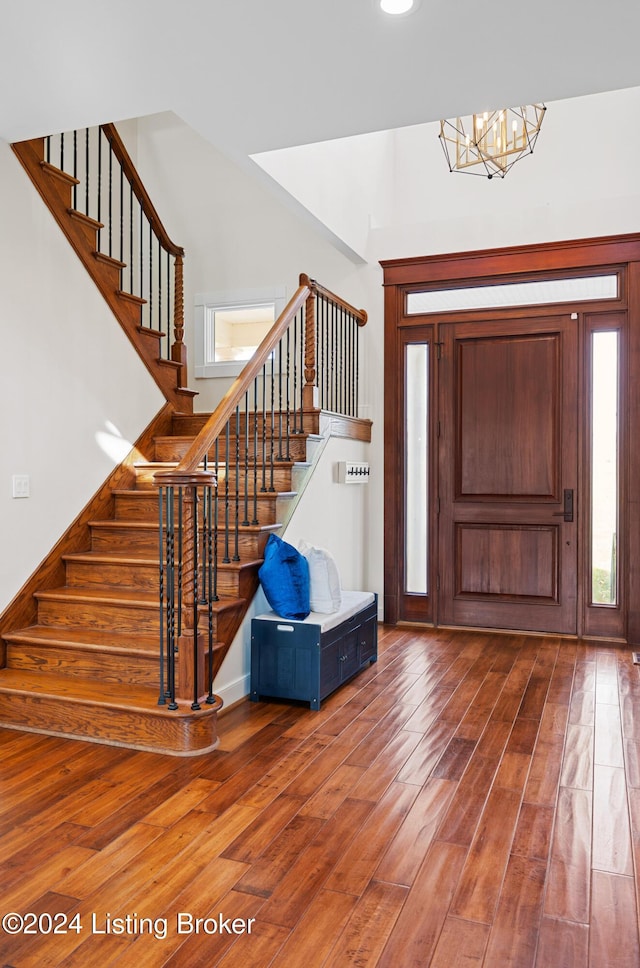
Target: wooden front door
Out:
[508,473]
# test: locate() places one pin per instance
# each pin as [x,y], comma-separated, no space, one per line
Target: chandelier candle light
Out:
[490,144]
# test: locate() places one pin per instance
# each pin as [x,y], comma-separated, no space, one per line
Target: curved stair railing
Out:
[90,184]
[307,362]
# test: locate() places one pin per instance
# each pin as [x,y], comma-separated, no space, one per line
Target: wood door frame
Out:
[620,254]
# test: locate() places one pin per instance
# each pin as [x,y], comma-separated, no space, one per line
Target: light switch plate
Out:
[21,485]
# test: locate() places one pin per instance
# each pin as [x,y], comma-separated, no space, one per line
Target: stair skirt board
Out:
[181,732]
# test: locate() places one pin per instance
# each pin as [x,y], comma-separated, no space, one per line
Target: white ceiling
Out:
[254,75]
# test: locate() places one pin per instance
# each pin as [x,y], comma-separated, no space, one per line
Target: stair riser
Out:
[186,425]
[125,541]
[250,546]
[175,449]
[145,508]
[74,661]
[161,732]
[99,615]
[131,619]
[143,577]
[281,478]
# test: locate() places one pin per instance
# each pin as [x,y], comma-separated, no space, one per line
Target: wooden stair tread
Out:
[142,494]
[125,524]
[172,464]
[110,695]
[103,557]
[109,595]
[106,594]
[89,639]
[135,525]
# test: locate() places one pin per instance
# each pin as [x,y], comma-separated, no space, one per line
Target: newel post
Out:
[179,350]
[309,391]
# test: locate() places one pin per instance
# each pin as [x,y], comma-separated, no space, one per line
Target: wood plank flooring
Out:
[470,799]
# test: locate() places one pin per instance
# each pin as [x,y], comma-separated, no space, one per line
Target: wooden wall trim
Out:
[548,256]
[596,254]
[632,380]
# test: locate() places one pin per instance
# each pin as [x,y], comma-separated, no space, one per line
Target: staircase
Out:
[118,634]
[88,667]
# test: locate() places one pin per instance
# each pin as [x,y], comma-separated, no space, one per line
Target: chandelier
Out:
[490,144]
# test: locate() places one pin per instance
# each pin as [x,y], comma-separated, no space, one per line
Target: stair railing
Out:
[307,361]
[110,195]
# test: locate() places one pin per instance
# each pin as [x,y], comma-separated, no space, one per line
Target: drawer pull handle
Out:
[285,628]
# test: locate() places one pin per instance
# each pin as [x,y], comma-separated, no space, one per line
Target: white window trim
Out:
[228,299]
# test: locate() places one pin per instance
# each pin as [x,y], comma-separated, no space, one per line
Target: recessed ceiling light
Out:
[397,7]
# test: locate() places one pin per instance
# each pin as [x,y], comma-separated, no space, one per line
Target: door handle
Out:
[567,514]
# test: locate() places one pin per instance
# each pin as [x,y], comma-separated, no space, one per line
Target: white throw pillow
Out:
[325,593]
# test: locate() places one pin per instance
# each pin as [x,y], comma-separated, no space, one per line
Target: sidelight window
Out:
[416,475]
[604,466]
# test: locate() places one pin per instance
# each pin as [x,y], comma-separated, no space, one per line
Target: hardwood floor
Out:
[471,799]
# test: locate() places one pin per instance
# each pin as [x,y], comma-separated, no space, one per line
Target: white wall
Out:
[329,515]
[72,387]
[238,235]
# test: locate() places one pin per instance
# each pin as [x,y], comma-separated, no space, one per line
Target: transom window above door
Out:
[573,289]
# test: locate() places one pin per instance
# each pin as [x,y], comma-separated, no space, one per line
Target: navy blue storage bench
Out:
[308,659]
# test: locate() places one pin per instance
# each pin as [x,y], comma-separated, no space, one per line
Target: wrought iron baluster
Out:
[245,520]
[121,226]
[255,450]
[86,171]
[227,557]
[236,522]
[75,169]
[208,565]
[272,423]
[263,434]
[110,230]
[167,347]
[341,368]
[131,253]
[203,538]
[150,273]
[141,264]
[325,326]
[171,598]
[294,357]
[194,579]
[302,328]
[161,697]
[356,375]
[99,196]
[180,556]
[168,303]
[288,424]
[280,455]
[215,521]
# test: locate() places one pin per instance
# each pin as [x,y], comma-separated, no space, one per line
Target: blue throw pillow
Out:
[284,576]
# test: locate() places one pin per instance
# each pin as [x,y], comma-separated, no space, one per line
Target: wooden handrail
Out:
[221,415]
[139,190]
[360,314]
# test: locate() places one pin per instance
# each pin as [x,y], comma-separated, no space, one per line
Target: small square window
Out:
[233,334]
[230,327]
